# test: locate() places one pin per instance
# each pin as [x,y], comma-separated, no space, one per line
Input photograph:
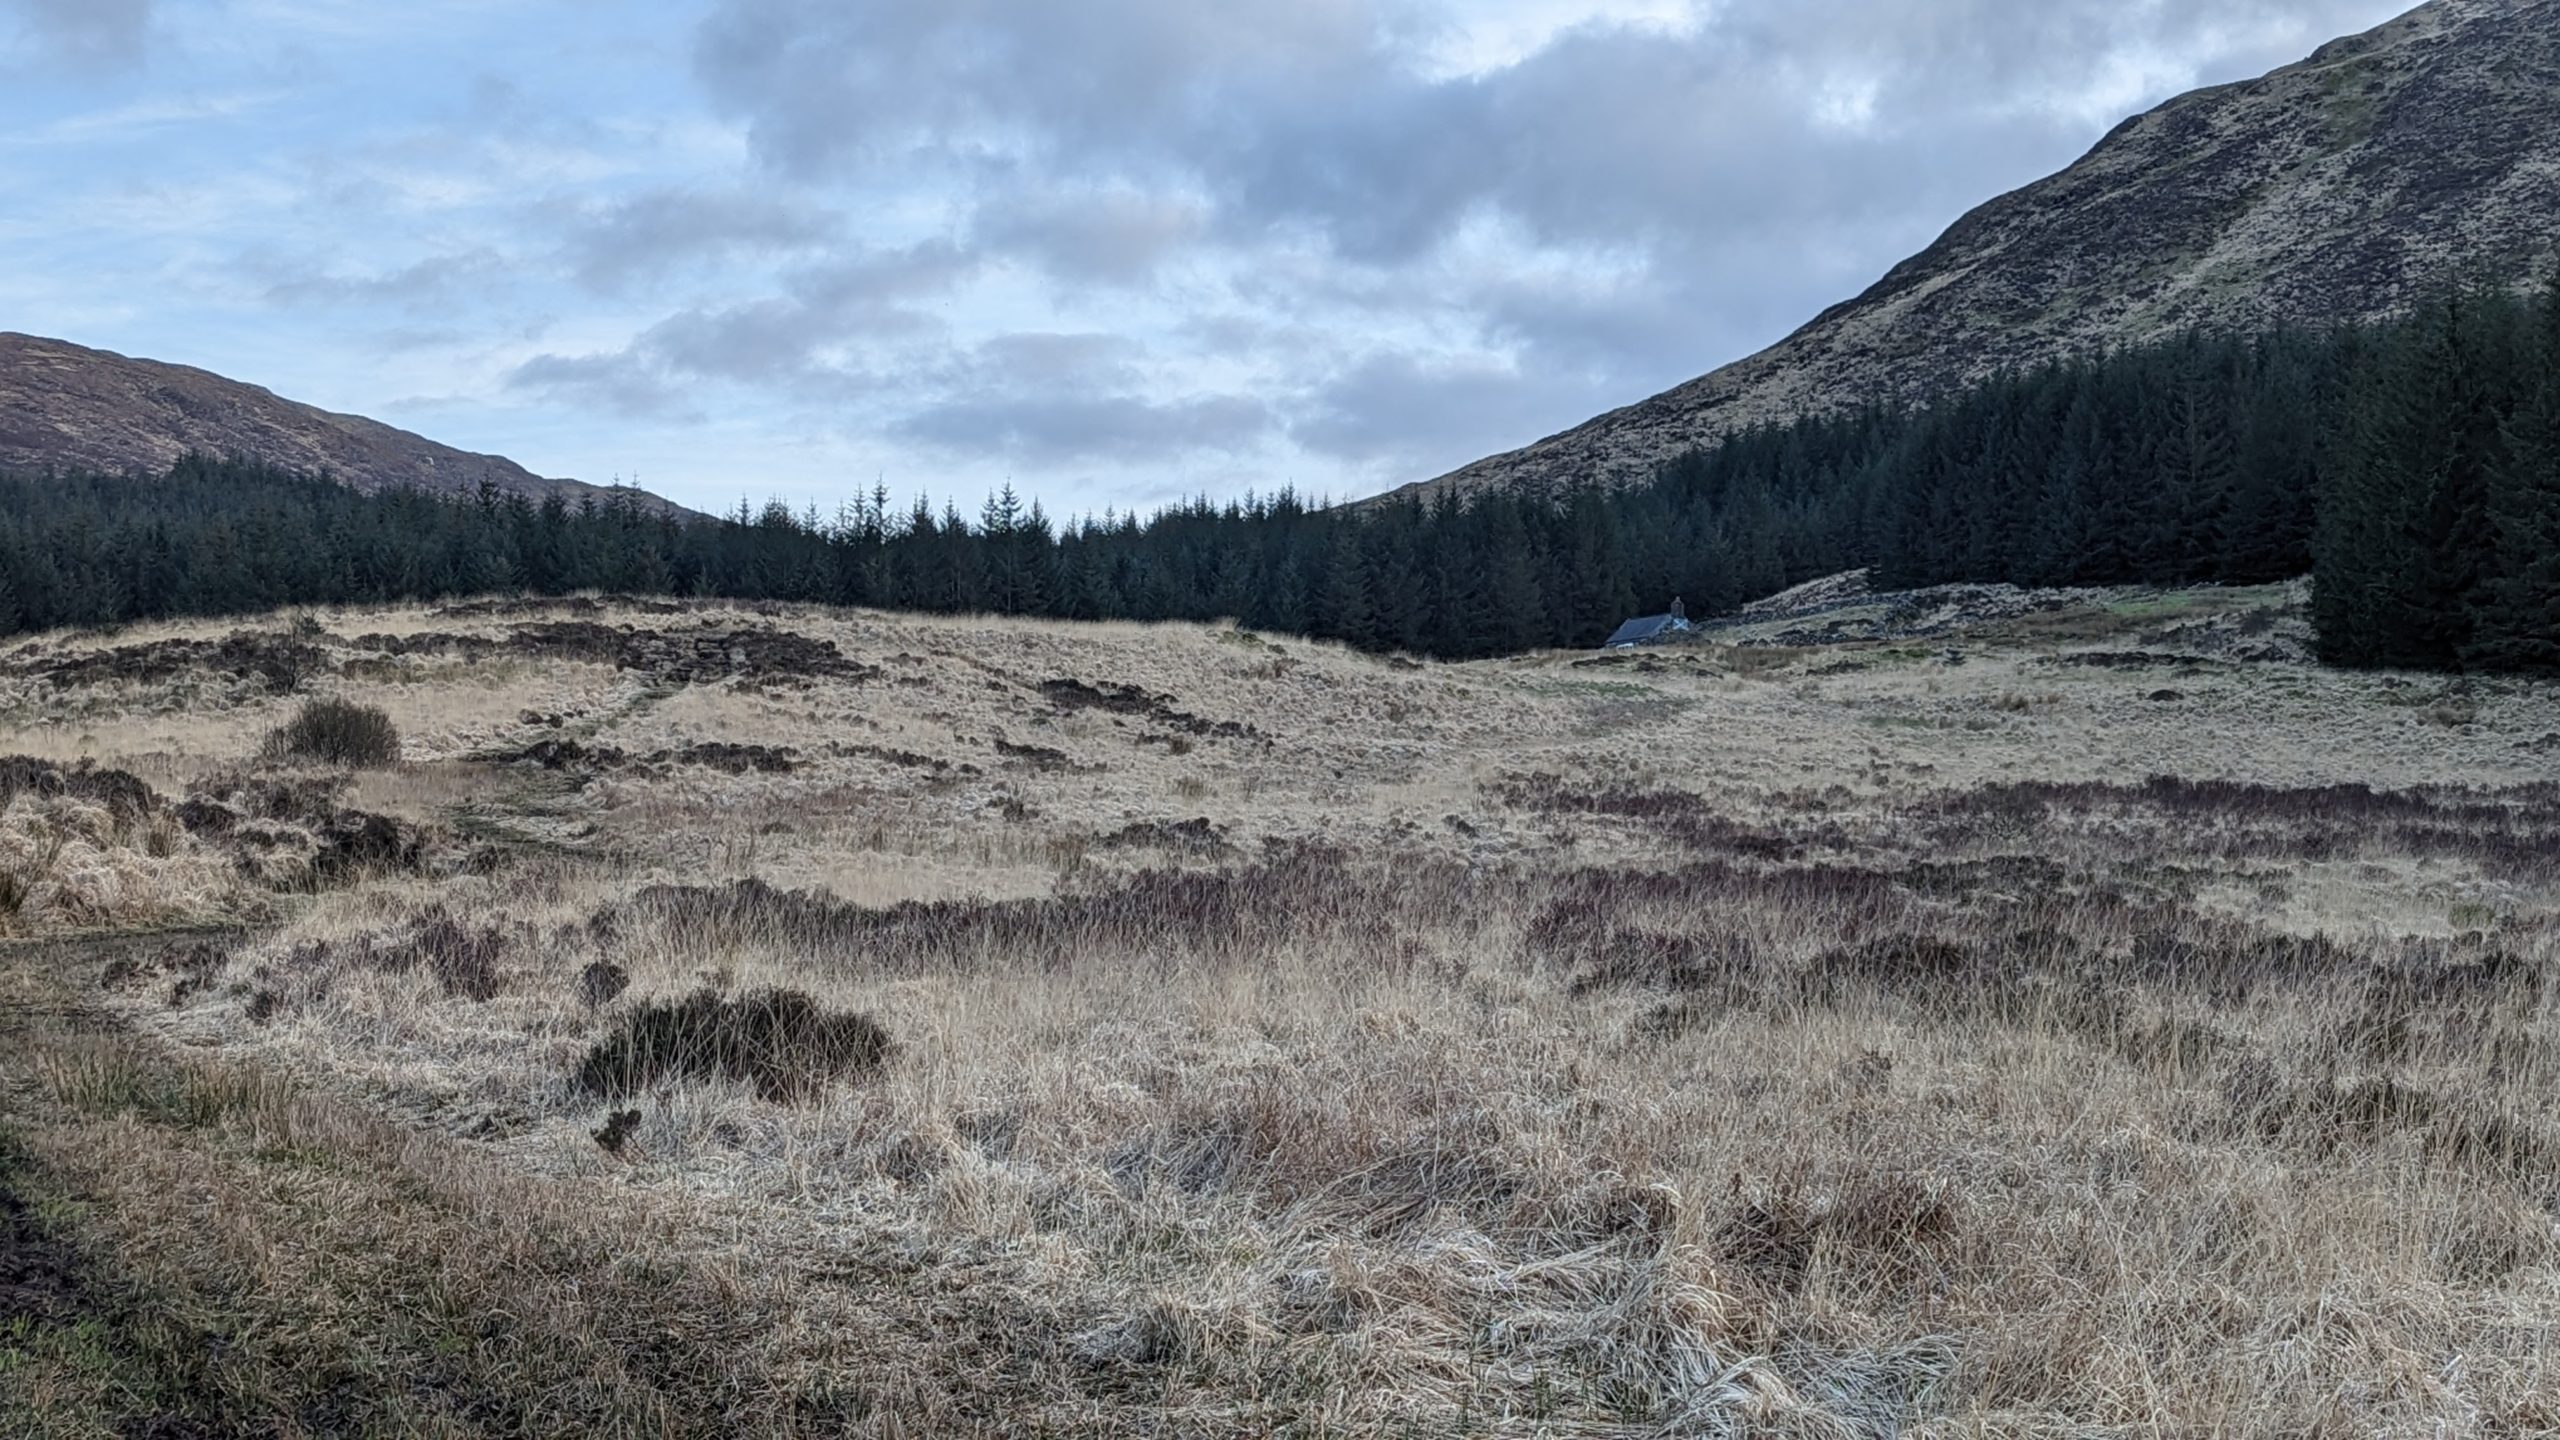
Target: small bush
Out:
[616,1130]
[780,1041]
[338,732]
[463,960]
[601,983]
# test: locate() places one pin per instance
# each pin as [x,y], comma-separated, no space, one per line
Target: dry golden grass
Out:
[1827,1042]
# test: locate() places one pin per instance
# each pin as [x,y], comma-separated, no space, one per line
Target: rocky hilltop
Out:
[65,406]
[2331,190]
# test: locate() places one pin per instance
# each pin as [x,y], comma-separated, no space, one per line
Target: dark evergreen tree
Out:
[2516,618]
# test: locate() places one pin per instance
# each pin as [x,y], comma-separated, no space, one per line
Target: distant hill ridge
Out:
[2332,190]
[68,407]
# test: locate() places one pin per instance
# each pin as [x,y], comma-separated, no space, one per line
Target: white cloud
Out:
[87,35]
[1132,246]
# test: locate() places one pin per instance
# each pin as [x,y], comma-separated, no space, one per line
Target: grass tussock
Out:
[89,848]
[781,1043]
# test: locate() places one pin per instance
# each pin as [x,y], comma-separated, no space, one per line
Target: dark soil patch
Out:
[354,841]
[1182,837]
[243,813]
[904,759]
[565,755]
[2128,660]
[616,1130]
[711,755]
[733,759]
[570,605]
[127,797]
[572,640]
[1034,757]
[601,983]
[1071,695]
[278,663]
[760,657]
[439,643]
[189,967]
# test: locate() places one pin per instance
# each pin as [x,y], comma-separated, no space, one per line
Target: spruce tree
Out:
[2516,619]
[2400,553]
[1343,610]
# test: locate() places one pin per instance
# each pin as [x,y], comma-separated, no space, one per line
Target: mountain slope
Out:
[2331,190]
[65,406]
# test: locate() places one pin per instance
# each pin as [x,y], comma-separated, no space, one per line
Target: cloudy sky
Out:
[1118,251]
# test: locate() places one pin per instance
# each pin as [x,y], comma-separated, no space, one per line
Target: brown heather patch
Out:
[780,1043]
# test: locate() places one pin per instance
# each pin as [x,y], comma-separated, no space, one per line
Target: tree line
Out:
[2413,467]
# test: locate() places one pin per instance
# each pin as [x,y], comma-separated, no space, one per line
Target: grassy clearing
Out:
[1448,1051]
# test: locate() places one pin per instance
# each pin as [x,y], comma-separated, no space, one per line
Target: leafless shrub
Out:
[337,732]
